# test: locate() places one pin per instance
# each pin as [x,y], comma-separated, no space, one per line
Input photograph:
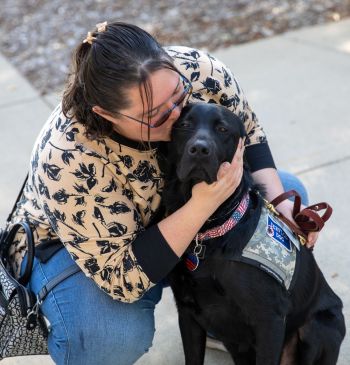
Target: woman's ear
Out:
[98,110]
[106,115]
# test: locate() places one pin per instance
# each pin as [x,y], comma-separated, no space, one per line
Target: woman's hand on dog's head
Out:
[236,163]
[231,173]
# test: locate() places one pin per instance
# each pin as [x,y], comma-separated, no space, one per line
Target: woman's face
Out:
[167,89]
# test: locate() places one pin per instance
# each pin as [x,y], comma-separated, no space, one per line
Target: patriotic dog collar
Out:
[192,259]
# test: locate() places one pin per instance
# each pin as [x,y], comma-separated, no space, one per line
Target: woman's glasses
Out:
[187,91]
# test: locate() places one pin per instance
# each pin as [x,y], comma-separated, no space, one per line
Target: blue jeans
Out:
[88,326]
[291,182]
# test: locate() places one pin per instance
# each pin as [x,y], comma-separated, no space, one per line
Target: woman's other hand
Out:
[286,208]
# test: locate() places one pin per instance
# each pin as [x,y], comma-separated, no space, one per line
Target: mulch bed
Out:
[38,36]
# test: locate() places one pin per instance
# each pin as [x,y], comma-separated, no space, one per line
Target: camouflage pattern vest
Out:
[272,248]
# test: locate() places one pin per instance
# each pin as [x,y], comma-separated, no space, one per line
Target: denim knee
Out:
[105,338]
[137,345]
[291,182]
[102,330]
[91,345]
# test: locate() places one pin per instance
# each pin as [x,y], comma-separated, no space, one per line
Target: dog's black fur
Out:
[256,318]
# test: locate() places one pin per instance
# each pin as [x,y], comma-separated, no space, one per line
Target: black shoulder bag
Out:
[23,330]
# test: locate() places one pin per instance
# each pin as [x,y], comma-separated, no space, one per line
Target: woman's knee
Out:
[139,334]
[292,182]
[118,344]
[137,344]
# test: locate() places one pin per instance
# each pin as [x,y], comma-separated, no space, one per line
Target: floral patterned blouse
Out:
[100,197]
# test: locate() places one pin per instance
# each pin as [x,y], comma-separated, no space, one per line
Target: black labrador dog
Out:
[262,314]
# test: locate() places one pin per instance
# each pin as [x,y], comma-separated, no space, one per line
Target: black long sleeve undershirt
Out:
[259,157]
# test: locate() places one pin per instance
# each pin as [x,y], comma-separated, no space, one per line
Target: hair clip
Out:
[101,27]
[89,38]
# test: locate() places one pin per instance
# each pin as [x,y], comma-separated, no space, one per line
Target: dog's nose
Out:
[199,148]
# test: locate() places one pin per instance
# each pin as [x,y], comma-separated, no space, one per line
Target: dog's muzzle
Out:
[199,149]
[199,161]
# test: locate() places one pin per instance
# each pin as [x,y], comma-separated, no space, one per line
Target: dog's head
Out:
[202,138]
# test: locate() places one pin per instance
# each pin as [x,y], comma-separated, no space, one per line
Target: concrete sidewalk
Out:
[297,84]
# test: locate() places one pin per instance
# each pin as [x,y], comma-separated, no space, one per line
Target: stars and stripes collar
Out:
[229,224]
[192,259]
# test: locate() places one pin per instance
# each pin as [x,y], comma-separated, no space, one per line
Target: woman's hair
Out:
[105,66]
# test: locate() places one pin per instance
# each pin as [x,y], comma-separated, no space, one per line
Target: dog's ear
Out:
[242,130]
[186,109]
[234,118]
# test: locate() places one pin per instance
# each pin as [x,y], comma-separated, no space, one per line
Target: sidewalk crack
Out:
[322,165]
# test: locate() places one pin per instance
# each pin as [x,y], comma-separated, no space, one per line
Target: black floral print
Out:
[211,85]
[87,173]
[52,171]
[145,172]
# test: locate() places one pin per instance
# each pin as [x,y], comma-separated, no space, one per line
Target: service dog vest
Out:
[272,248]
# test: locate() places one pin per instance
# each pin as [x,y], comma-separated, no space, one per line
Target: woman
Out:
[95,184]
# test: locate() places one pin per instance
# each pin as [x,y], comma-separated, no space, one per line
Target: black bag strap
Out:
[33,315]
[9,236]
[24,279]
[18,197]
[71,270]
[4,303]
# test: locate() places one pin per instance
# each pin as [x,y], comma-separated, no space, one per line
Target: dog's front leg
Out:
[269,341]
[193,338]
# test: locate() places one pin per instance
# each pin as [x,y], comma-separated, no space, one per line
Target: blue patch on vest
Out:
[276,232]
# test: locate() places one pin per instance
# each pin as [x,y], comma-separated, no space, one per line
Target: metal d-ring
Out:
[199,250]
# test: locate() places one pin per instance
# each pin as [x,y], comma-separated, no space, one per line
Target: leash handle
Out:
[308,219]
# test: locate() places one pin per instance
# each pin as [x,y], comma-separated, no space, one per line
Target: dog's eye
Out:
[184,124]
[221,129]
